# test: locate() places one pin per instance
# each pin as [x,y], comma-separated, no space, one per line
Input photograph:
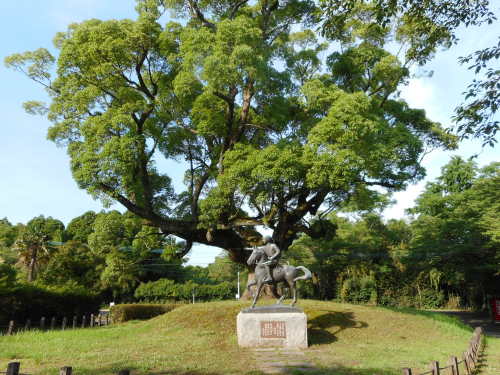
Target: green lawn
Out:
[201,339]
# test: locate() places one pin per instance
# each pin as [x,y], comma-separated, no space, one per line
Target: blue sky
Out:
[35,173]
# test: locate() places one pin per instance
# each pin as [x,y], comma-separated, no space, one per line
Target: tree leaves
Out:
[269,132]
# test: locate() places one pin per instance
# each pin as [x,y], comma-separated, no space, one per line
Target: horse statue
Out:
[280,274]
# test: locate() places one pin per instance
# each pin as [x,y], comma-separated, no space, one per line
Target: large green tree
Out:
[456,235]
[269,129]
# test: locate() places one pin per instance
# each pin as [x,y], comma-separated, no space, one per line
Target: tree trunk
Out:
[32,265]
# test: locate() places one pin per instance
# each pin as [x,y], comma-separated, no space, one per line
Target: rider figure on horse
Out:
[272,255]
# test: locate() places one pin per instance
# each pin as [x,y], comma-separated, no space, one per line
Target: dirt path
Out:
[490,359]
[281,361]
[477,319]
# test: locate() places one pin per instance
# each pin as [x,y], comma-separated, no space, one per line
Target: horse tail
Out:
[306,276]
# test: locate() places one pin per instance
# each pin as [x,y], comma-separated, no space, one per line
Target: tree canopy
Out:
[272,123]
[428,25]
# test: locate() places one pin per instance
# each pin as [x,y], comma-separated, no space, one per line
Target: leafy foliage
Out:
[35,243]
[125,312]
[448,255]
[268,129]
[167,290]
[22,302]
[456,233]
[476,117]
[422,28]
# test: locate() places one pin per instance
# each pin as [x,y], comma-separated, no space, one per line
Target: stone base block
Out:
[272,329]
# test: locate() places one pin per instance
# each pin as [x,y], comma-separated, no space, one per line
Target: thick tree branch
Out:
[236,7]
[197,13]
[142,85]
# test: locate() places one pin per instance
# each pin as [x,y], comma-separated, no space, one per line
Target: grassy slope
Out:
[201,339]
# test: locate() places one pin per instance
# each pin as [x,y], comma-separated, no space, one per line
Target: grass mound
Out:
[201,339]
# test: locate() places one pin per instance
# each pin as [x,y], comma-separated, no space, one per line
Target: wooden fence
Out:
[465,366]
[85,321]
[14,368]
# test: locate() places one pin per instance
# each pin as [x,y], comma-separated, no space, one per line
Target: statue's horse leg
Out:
[290,280]
[250,284]
[256,297]
[274,291]
[283,295]
[294,291]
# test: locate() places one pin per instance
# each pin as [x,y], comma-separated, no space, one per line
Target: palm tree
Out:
[34,248]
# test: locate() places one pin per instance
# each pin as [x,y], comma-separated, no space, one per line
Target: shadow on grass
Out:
[320,331]
[291,370]
[114,369]
[341,370]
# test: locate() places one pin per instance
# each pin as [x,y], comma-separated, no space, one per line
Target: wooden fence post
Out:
[91,320]
[10,330]
[63,324]
[42,323]
[124,372]
[466,363]
[435,368]
[74,321]
[454,366]
[13,368]
[53,323]
[472,361]
[27,325]
[407,371]
[66,370]
[84,318]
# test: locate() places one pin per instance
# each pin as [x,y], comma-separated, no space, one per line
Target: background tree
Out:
[81,227]
[455,238]
[7,276]
[263,145]
[8,235]
[128,252]
[35,243]
[223,269]
[360,262]
[73,264]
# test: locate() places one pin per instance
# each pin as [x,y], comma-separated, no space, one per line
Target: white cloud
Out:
[418,93]
[421,93]
[404,200]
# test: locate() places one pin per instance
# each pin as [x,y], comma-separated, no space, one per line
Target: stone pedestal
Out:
[272,326]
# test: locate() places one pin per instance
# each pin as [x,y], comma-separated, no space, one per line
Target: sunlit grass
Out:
[201,339]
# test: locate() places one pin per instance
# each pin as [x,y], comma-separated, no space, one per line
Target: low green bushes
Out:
[22,301]
[359,290]
[168,290]
[125,312]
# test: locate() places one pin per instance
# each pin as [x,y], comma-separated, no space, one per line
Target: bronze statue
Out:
[269,271]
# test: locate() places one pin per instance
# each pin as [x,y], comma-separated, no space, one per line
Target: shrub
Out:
[167,290]
[22,301]
[431,299]
[124,312]
[359,290]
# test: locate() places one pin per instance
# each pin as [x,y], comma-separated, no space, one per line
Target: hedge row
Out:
[125,312]
[22,302]
[168,290]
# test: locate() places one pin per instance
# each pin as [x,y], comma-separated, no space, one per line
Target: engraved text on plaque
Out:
[273,330]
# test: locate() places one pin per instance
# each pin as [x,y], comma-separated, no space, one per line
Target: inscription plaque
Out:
[273,330]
